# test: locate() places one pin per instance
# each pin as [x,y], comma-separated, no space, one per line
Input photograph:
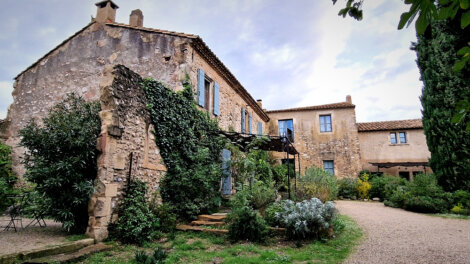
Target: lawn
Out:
[189,247]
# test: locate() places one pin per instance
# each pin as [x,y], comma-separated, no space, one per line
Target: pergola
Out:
[398,164]
[275,143]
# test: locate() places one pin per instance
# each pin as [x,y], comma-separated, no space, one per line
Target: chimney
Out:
[136,18]
[106,11]
[348,99]
[260,103]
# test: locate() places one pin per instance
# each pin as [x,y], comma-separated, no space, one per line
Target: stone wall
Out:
[125,128]
[231,102]
[376,147]
[341,145]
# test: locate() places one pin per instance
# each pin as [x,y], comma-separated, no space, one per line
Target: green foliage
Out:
[159,256]
[379,185]
[462,197]
[317,183]
[258,195]
[421,195]
[61,159]
[280,176]
[443,89]
[189,148]
[307,219]
[164,213]
[347,188]
[246,223]
[7,177]
[136,223]
[270,214]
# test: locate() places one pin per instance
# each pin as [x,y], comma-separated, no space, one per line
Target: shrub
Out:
[246,223]
[378,186]
[347,188]
[136,223]
[164,213]
[460,209]
[7,177]
[262,194]
[462,197]
[159,256]
[280,176]
[397,198]
[317,183]
[426,204]
[270,214]
[307,219]
[363,186]
[393,184]
[61,159]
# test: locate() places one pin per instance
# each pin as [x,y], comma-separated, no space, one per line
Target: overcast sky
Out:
[288,53]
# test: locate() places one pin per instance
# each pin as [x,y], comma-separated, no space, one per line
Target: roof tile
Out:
[390,125]
[315,107]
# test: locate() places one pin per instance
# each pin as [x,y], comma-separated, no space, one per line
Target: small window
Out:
[286,129]
[207,93]
[402,137]
[329,166]
[404,175]
[393,138]
[325,123]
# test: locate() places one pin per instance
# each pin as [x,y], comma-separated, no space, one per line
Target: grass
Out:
[190,247]
[452,216]
[73,238]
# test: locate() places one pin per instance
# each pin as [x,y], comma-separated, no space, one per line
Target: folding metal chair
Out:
[15,211]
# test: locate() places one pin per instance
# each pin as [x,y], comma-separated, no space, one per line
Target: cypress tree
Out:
[443,89]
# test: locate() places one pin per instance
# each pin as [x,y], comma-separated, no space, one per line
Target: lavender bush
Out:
[306,219]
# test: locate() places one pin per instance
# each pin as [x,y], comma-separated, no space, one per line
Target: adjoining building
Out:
[106,61]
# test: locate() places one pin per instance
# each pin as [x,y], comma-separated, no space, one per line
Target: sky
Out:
[287,53]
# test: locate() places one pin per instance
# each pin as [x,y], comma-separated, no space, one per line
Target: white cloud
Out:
[6,88]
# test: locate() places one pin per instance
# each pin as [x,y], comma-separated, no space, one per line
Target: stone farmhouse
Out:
[106,61]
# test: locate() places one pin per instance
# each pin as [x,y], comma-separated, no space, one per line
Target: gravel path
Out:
[397,236]
[31,237]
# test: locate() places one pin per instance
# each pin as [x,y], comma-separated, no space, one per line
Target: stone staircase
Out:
[204,221]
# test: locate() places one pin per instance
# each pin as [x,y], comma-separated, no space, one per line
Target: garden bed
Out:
[192,247]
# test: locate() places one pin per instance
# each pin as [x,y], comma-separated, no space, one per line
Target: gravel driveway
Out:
[397,236]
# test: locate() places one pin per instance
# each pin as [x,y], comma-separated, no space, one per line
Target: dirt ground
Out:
[397,236]
[31,237]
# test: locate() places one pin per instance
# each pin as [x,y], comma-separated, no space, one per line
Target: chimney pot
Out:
[106,11]
[348,99]
[136,19]
[260,103]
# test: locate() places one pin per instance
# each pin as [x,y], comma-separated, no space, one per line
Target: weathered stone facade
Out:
[341,145]
[86,65]
[126,131]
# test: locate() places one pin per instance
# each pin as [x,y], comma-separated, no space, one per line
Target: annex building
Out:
[106,61]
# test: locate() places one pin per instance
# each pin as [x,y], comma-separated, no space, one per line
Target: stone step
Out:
[72,256]
[206,223]
[26,256]
[212,218]
[201,229]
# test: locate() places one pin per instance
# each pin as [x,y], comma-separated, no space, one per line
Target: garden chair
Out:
[15,211]
[35,210]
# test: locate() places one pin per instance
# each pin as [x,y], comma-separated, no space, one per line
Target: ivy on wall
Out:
[189,147]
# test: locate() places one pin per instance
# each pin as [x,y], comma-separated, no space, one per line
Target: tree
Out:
[448,143]
[62,159]
[443,51]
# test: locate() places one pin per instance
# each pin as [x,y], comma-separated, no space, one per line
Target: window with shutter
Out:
[200,88]
[243,128]
[216,99]
[260,128]
[249,124]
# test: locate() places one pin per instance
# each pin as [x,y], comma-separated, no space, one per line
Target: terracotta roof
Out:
[390,125]
[315,107]
[199,45]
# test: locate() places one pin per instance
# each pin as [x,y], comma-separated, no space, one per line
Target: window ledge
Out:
[399,144]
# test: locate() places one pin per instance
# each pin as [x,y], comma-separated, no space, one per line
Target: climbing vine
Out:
[189,147]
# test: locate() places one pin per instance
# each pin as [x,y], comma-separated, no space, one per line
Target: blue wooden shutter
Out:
[200,87]
[249,124]
[226,172]
[243,120]
[260,128]
[216,99]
